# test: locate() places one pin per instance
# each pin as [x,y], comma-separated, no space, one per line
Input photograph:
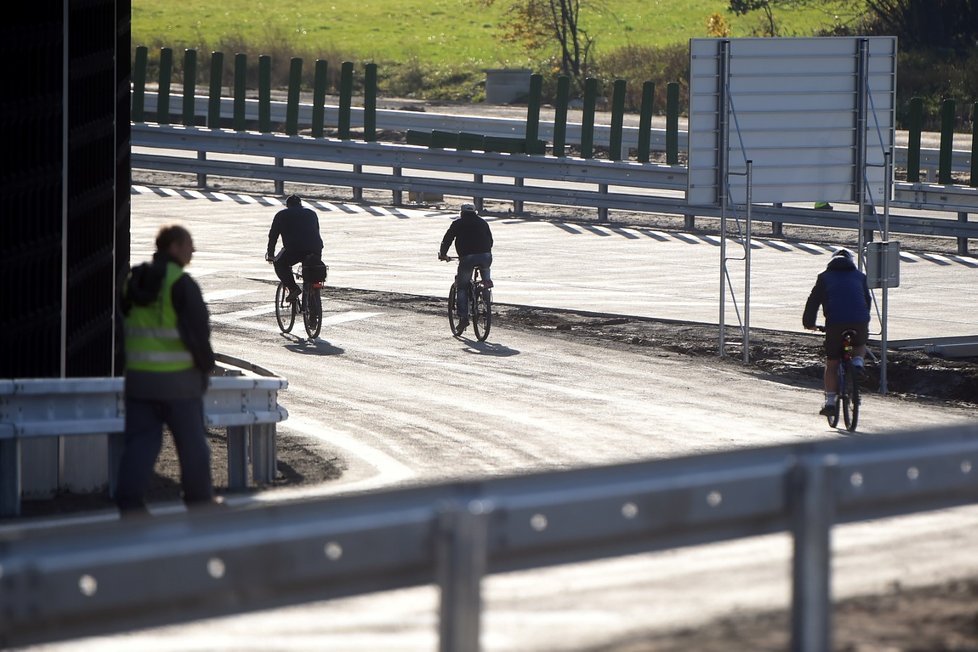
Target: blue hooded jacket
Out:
[842,292]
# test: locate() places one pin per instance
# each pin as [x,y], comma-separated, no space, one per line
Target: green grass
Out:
[438,33]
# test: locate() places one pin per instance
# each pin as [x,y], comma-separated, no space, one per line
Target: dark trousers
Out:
[144,439]
[283,266]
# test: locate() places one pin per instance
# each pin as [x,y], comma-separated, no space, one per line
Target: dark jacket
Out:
[193,322]
[842,292]
[471,234]
[299,228]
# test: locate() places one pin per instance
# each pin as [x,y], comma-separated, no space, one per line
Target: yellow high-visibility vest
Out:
[152,340]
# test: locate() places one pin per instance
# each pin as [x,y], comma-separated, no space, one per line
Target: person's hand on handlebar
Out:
[442,256]
[269,257]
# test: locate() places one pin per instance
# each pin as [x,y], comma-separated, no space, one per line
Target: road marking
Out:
[220,295]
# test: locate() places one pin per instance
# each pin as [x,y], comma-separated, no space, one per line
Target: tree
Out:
[542,24]
[770,26]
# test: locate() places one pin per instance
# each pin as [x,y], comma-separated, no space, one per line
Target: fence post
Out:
[264,94]
[240,87]
[214,101]
[947,143]
[189,87]
[914,127]
[462,553]
[292,106]
[587,119]
[645,122]
[560,115]
[163,96]
[346,99]
[238,443]
[533,115]
[672,123]
[139,85]
[319,98]
[370,103]
[973,181]
[617,120]
[10,477]
[811,503]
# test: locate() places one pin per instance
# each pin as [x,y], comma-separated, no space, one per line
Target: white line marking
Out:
[219,295]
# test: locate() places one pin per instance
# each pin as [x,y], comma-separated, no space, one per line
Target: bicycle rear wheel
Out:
[850,400]
[284,311]
[312,314]
[481,312]
[453,312]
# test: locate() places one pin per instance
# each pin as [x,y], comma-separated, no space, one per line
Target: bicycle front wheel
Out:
[850,400]
[481,312]
[284,311]
[453,312]
[312,314]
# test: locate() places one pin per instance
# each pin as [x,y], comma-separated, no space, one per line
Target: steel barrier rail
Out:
[246,406]
[403,120]
[109,577]
[615,185]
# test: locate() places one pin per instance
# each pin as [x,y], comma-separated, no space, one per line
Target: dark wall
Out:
[64,221]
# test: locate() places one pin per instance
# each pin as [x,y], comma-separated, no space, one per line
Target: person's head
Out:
[176,241]
[843,253]
[293,201]
[467,209]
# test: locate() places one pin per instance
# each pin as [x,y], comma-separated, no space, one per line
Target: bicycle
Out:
[309,302]
[480,305]
[847,395]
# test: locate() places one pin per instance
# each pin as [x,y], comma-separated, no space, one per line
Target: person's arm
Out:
[446,241]
[193,322]
[273,234]
[815,299]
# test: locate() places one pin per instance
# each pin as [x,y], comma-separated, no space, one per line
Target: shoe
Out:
[859,367]
[293,295]
[827,410]
[462,324]
[488,284]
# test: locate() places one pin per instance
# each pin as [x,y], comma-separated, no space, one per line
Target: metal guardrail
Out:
[403,121]
[73,581]
[247,406]
[600,184]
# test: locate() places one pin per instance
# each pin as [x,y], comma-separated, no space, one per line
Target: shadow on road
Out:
[487,348]
[310,347]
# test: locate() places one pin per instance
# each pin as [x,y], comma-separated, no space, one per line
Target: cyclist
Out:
[843,293]
[473,244]
[299,228]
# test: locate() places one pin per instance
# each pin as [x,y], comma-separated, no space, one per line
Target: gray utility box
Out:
[883,264]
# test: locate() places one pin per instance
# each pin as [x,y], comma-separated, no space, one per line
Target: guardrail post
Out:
[264,460]
[189,87]
[240,87]
[9,477]
[346,99]
[603,210]
[139,84]
[462,562]
[947,143]
[973,180]
[915,121]
[587,119]
[560,115]
[963,240]
[518,203]
[116,444]
[672,123]
[645,123]
[479,202]
[292,107]
[533,115]
[811,499]
[398,195]
[264,94]
[777,226]
[214,101]
[319,98]
[279,184]
[615,152]
[163,94]
[370,103]
[239,440]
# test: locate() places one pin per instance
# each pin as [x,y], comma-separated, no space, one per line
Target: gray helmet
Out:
[842,253]
[467,208]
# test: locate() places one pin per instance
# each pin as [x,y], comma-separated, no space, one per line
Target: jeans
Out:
[144,439]
[283,266]
[464,275]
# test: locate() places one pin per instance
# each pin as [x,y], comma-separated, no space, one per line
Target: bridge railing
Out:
[71,581]
[245,404]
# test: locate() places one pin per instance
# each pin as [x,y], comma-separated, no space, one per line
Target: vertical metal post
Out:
[462,562]
[240,88]
[398,196]
[292,100]
[370,102]
[645,122]
[947,143]
[214,101]
[587,117]
[884,264]
[518,203]
[10,477]
[723,156]
[603,210]
[672,117]
[189,87]
[811,500]
[747,236]
[163,95]
[319,98]
[264,94]
[139,84]
[478,201]
[860,168]
[533,114]
[560,115]
[346,99]
[615,152]
[963,240]
[238,437]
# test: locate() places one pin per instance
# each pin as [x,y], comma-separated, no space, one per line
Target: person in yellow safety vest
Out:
[168,359]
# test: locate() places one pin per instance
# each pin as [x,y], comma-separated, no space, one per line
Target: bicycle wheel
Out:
[312,313]
[481,312]
[284,311]
[850,400]
[453,312]
[833,418]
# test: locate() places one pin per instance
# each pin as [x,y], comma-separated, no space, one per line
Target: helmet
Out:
[468,208]
[293,200]
[842,253]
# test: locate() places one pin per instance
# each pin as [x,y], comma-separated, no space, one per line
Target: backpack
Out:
[313,269]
